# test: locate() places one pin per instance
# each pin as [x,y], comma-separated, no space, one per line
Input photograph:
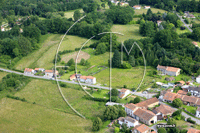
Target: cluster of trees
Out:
[32,7]
[113,112]
[120,15]
[188,5]
[13,82]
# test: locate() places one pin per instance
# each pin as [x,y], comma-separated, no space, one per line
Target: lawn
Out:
[46,93]
[45,55]
[191,109]
[69,14]
[179,31]
[129,31]
[17,116]
[154,10]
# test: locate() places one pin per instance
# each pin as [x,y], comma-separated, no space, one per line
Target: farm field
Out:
[154,10]
[129,31]
[44,56]
[46,93]
[23,117]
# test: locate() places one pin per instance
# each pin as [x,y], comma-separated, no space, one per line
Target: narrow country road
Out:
[184,22]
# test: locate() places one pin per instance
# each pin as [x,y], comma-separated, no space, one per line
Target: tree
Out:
[177,103]
[137,100]
[103,5]
[100,49]
[162,130]
[131,61]
[82,62]
[196,34]
[126,66]
[97,123]
[114,92]
[117,129]
[111,113]
[171,121]
[116,60]
[122,113]
[77,15]
[71,62]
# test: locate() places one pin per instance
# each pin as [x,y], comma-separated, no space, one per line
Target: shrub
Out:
[191,121]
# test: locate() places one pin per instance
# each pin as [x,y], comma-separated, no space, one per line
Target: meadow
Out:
[23,117]
[46,93]
[44,56]
[130,32]
[154,10]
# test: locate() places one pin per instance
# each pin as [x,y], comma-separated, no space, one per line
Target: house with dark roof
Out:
[167,70]
[130,122]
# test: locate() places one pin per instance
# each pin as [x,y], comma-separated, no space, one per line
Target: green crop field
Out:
[45,55]
[129,31]
[154,10]
[46,93]
[21,117]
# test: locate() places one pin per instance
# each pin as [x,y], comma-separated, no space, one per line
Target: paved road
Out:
[184,22]
[184,114]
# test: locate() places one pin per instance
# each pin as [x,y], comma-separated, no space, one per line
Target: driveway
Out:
[186,25]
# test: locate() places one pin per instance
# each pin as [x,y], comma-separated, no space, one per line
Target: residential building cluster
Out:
[167,70]
[47,73]
[84,79]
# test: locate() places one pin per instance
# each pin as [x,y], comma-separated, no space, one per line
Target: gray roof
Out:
[194,88]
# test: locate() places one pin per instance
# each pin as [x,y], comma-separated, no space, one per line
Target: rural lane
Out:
[184,22]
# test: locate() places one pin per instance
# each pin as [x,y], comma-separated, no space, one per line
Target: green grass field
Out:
[46,93]
[179,31]
[69,14]
[45,55]
[191,109]
[17,116]
[129,31]
[154,10]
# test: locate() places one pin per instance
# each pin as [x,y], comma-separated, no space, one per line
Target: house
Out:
[192,130]
[123,93]
[190,16]
[195,91]
[50,73]
[195,44]
[166,70]
[130,122]
[170,79]
[159,22]
[39,69]
[87,79]
[198,112]
[130,109]
[141,129]
[2,28]
[181,92]
[148,103]
[162,111]
[189,100]
[29,71]
[147,7]
[169,97]
[198,79]
[137,7]
[21,30]
[181,82]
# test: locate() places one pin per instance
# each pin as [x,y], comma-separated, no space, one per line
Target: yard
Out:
[44,56]
[18,116]
[191,109]
[129,31]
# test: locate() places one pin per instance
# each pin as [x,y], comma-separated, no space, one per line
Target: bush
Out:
[191,121]
[182,27]
[63,84]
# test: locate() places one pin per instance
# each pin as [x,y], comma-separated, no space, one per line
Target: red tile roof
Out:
[141,128]
[28,70]
[192,130]
[147,102]
[169,96]
[131,106]
[144,114]
[182,92]
[164,109]
[168,68]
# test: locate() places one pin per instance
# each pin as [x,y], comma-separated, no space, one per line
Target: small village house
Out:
[198,112]
[2,28]
[163,111]
[147,7]
[181,92]
[51,73]
[166,70]
[198,79]
[195,44]
[87,79]
[141,129]
[29,71]
[159,22]
[123,93]
[137,7]
[130,122]
[192,130]
[149,103]
[39,70]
